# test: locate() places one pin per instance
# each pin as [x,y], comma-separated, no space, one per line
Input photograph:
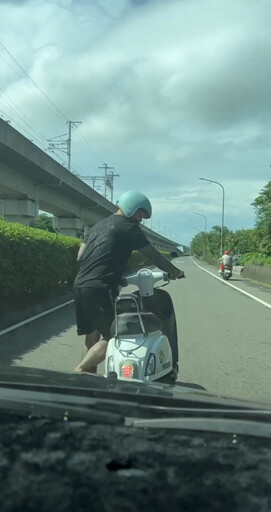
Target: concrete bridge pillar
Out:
[70,226]
[19,209]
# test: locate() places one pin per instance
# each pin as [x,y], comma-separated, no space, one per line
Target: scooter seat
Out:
[129,323]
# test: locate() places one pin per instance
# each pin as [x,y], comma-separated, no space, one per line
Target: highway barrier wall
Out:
[258,273]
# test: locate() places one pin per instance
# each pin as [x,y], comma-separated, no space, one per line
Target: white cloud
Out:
[166,91]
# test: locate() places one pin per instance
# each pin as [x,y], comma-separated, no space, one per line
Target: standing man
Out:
[103,255]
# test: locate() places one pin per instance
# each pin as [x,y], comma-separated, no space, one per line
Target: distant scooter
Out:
[144,345]
[226,272]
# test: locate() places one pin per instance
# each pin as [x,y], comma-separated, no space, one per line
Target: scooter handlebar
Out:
[145,279]
[161,276]
[156,275]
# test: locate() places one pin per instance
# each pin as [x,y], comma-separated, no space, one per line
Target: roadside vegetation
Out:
[37,263]
[253,245]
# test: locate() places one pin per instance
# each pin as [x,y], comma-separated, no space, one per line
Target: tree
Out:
[197,244]
[214,240]
[43,221]
[262,205]
[246,240]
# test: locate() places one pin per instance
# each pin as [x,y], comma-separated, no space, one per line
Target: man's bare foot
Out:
[80,369]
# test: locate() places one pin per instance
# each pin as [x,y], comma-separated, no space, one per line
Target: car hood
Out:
[179,395]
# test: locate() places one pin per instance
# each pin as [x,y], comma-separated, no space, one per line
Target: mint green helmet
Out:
[131,201]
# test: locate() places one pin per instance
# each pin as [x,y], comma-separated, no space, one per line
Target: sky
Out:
[166,92]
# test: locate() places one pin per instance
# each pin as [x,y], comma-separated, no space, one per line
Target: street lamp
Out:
[205,230]
[201,214]
[223,203]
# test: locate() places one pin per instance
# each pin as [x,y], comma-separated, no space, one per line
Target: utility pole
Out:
[64,145]
[92,178]
[105,167]
[223,207]
[110,183]
[69,141]
[205,230]
[108,180]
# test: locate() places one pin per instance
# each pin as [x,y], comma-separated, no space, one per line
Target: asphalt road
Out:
[224,335]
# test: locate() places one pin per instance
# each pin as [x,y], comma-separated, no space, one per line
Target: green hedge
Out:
[253,258]
[34,261]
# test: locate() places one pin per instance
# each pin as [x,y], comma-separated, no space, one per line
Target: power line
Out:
[30,86]
[89,145]
[22,116]
[37,88]
[59,159]
[32,81]
[22,127]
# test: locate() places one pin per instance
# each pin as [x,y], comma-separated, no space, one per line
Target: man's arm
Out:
[161,262]
[81,251]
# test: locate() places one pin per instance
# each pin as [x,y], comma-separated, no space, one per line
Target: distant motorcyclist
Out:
[226,259]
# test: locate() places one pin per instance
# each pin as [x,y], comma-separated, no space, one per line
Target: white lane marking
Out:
[32,318]
[235,287]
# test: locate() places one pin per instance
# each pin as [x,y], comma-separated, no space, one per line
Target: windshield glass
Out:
[162,107]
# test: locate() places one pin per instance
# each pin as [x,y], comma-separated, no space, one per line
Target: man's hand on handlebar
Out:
[179,274]
[123,282]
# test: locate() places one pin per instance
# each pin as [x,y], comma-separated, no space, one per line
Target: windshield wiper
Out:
[213,425]
[35,408]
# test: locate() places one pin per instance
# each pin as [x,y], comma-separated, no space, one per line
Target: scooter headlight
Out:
[110,365]
[150,369]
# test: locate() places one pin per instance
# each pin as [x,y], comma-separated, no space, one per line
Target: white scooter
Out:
[144,344]
[226,273]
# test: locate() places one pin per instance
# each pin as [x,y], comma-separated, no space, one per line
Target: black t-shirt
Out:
[108,246]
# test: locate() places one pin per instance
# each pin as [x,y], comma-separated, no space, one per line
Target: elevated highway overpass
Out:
[31,180]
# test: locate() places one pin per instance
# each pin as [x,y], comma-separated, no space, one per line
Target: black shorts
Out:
[94,310]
